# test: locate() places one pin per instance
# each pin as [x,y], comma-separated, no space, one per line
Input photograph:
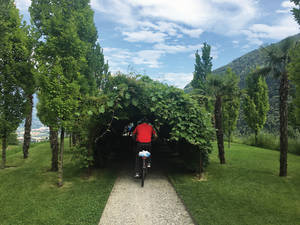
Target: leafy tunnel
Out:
[176,116]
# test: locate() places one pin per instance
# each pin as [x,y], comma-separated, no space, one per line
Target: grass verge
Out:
[29,194]
[246,190]
[270,141]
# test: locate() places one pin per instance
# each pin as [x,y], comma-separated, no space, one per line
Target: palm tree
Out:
[277,61]
[220,86]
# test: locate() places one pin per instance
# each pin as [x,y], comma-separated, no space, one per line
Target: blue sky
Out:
[159,37]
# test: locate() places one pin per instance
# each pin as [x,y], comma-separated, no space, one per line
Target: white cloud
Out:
[287,5]
[118,57]
[150,32]
[148,57]
[173,49]
[215,52]
[245,48]
[118,10]
[221,16]
[252,38]
[199,13]
[192,32]
[144,36]
[188,12]
[285,27]
[151,58]
[169,28]
[179,80]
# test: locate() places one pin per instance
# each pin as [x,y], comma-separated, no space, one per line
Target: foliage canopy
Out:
[175,115]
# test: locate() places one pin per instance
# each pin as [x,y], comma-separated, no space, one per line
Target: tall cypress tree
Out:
[99,68]
[203,66]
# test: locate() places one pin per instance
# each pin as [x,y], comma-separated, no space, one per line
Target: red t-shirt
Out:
[144,133]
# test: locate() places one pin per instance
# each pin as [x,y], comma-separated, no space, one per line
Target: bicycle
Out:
[144,155]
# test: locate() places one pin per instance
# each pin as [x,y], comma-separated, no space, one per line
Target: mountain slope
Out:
[242,66]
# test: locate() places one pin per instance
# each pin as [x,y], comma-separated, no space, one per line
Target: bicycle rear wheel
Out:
[143,173]
[143,177]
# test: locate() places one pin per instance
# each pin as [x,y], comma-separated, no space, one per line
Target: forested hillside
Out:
[242,66]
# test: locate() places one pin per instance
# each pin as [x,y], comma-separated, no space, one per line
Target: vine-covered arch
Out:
[176,116]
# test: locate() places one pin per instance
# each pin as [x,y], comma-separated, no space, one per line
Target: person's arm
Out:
[134,134]
[154,135]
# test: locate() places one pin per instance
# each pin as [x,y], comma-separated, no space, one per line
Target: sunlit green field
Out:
[247,190]
[29,195]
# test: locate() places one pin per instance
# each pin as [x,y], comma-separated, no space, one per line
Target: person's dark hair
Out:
[145,120]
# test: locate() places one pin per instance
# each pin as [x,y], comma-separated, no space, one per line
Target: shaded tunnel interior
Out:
[118,147]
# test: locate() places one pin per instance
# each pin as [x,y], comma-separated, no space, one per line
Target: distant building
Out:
[37,134]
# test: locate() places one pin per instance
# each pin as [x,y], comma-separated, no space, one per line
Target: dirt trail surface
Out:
[156,203]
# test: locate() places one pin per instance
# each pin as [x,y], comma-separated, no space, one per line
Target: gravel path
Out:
[156,203]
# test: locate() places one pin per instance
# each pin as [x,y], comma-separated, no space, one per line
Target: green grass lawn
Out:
[29,194]
[247,190]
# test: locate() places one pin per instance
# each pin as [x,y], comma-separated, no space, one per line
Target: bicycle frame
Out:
[144,155]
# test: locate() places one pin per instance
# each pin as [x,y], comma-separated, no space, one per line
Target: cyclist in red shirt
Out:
[143,135]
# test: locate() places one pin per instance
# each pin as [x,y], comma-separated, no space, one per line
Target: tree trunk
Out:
[283,92]
[255,133]
[91,146]
[229,139]
[219,129]
[200,166]
[70,140]
[61,157]
[54,148]
[27,135]
[73,139]
[4,146]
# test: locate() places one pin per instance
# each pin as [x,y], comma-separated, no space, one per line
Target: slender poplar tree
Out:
[68,53]
[13,69]
[256,102]
[231,107]
[61,55]
[30,88]
[203,66]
